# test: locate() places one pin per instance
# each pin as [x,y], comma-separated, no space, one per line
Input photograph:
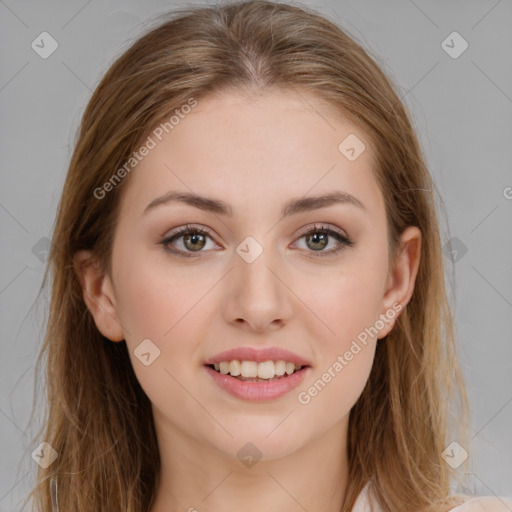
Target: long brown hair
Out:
[98,419]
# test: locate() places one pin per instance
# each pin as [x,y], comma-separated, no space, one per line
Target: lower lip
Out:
[257,391]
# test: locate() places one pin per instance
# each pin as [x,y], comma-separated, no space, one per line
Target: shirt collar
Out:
[362,503]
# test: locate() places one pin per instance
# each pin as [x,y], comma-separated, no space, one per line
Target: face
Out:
[259,269]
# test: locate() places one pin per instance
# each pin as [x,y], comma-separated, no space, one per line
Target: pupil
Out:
[194,239]
[315,238]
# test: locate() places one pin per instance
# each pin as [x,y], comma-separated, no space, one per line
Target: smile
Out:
[256,372]
[252,381]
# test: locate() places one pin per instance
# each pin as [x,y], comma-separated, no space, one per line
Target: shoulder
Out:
[483,504]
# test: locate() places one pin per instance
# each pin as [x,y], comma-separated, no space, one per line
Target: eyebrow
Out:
[294,206]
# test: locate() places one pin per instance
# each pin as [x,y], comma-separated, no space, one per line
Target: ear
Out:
[401,280]
[98,295]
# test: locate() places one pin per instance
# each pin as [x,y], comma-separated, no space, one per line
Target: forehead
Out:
[255,150]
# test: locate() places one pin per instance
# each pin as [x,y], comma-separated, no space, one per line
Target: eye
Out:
[193,240]
[317,238]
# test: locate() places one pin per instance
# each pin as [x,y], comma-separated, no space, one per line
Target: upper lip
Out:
[259,355]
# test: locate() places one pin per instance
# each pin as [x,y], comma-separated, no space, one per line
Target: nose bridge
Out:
[258,266]
[257,293]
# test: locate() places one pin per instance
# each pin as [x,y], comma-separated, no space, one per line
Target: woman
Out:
[248,305]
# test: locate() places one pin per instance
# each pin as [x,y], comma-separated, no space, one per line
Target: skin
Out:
[254,153]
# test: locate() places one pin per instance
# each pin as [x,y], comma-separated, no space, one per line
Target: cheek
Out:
[349,304]
[164,310]
[167,306]
[347,301]
[155,300]
[346,350]
[335,389]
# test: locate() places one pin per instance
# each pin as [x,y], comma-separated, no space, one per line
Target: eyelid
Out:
[185,228]
[333,231]
[318,226]
[321,226]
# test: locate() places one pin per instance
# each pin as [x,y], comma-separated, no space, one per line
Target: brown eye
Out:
[195,239]
[318,238]
[191,239]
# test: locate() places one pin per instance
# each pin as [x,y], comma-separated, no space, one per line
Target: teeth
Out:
[280,367]
[235,368]
[251,369]
[266,370]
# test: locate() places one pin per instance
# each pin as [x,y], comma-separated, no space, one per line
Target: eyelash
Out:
[191,230]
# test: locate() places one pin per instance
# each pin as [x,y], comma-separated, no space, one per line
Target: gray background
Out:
[463,112]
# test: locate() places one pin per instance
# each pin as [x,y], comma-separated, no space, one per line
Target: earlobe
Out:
[98,295]
[402,280]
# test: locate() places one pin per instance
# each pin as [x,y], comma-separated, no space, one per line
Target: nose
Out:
[258,297]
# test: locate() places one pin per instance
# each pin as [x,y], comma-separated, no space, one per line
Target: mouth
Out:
[257,381]
[257,374]
[252,371]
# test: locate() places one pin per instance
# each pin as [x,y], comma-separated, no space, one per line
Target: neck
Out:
[197,477]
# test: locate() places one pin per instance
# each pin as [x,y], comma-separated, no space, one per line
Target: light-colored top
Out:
[473,504]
